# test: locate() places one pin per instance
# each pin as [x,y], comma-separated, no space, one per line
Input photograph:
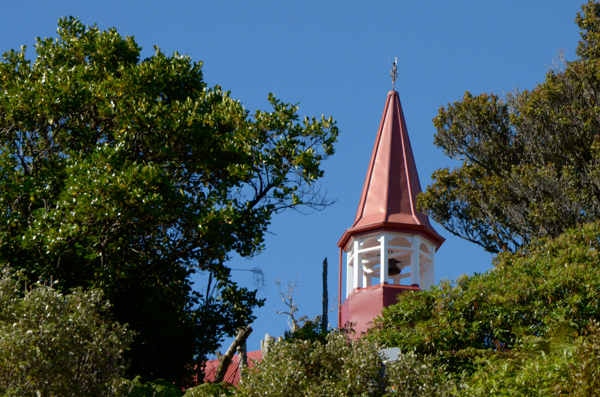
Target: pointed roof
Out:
[389,195]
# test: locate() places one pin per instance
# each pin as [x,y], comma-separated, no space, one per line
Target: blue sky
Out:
[333,57]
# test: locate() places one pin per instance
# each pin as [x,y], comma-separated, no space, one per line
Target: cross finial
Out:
[394,73]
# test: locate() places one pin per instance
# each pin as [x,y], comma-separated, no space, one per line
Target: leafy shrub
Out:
[210,390]
[412,375]
[517,374]
[527,293]
[158,388]
[555,366]
[339,367]
[54,344]
[310,329]
[583,377]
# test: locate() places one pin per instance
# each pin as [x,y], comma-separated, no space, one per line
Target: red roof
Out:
[389,196]
[233,372]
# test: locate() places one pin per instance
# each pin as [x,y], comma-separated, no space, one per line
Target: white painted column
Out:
[432,267]
[357,266]
[414,261]
[349,273]
[383,266]
[424,274]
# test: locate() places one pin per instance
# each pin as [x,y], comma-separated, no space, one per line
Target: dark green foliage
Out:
[506,325]
[158,388]
[211,390]
[528,327]
[587,20]
[529,162]
[54,344]
[131,175]
[310,330]
[565,369]
[583,376]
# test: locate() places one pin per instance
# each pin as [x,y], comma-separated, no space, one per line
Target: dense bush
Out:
[310,329]
[555,366]
[526,327]
[526,294]
[211,390]
[295,368]
[158,388]
[529,159]
[413,375]
[54,344]
[583,378]
[131,174]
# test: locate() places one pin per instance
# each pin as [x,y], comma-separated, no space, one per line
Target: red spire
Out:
[389,195]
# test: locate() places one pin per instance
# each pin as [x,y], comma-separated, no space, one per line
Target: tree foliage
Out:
[54,344]
[312,368]
[534,313]
[129,175]
[568,370]
[338,366]
[530,162]
[527,327]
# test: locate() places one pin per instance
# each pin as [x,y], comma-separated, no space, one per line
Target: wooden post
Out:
[324,321]
[339,321]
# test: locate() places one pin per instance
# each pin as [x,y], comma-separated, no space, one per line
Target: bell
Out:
[393,269]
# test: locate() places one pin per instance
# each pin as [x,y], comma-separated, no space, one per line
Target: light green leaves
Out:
[58,344]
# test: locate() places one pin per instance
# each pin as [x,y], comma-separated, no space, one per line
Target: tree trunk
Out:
[225,360]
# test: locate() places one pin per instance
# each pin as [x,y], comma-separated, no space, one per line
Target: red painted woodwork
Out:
[365,304]
[232,375]
[389,196]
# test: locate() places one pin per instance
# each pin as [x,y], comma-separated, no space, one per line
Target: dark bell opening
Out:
[393,269]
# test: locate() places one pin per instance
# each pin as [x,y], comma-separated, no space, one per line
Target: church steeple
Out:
[389,194]
[391,246]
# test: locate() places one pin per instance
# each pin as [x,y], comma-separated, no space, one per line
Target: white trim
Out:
[383,268]
[349,274]
[414,261]
[357,279]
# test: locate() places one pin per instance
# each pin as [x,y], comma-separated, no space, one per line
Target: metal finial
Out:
[394,73]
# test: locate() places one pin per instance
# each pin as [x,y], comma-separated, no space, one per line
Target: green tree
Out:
[129,175]
[54,344]
[521,315]
[530,161]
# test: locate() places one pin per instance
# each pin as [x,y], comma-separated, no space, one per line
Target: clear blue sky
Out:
[334,58]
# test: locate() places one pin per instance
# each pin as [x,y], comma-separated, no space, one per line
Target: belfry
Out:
[390,247]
